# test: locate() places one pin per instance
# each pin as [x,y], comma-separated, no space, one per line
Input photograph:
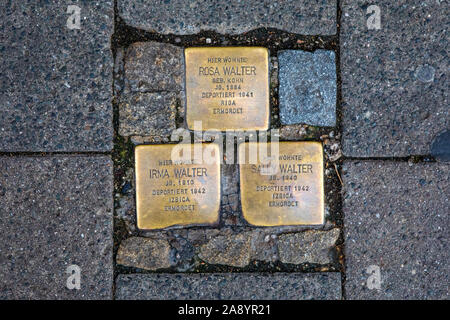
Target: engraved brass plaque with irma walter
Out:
[289,191]
[227,88]
[174,192]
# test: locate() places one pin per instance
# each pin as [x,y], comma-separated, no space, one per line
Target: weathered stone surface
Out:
[230,248]
[263,246]
[396,219]
[440,148]
[153,95]
[233,17]
[154,66]
[240,286]
[307,90]
[144,253]
[308,247]
[394,80]
[148,114]
[56,82]
[56,211]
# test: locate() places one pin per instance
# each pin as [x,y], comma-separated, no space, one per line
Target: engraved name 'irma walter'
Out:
[178,173]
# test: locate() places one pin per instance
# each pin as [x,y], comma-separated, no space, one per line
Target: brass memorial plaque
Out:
[172,192]
[227,88]
[287,192]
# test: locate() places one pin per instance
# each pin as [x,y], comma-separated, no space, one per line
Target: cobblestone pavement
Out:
[84,82]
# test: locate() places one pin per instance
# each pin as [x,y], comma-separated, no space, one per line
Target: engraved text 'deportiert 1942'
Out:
[176,192]
[289,191]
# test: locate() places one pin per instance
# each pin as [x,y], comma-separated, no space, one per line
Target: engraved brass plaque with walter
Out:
[227,88]
[289,191]
[172,191]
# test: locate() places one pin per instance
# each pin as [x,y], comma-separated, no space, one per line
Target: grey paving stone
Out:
[231,17]
[307,91]
[56,211]
[394,80]
[55,88]
[396,219]
[148,114]
[278,286]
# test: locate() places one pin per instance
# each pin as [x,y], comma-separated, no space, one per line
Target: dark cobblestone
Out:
[154,67]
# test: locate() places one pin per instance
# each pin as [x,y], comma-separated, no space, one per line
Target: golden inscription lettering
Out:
[172,192]
[227,88]
[287,190]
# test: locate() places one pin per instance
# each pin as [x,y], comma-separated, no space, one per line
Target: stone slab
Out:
[395,79]
[306,17]
[242,286]
[56,82]
[56,212]
[307,91]
[396,219]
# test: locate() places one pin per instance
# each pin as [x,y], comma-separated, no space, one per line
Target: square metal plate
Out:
[227,88]
[169,193]
[290,192]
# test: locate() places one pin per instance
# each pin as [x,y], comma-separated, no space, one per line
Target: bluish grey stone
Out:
[56,212]
[238,286]
[55,84]
[307,91]
[440,149]
[394,80]
[425,73]
[396,218]
[308,17]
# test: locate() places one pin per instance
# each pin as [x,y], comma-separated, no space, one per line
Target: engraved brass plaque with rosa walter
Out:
[175,193]
[227,88]
[290,192]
